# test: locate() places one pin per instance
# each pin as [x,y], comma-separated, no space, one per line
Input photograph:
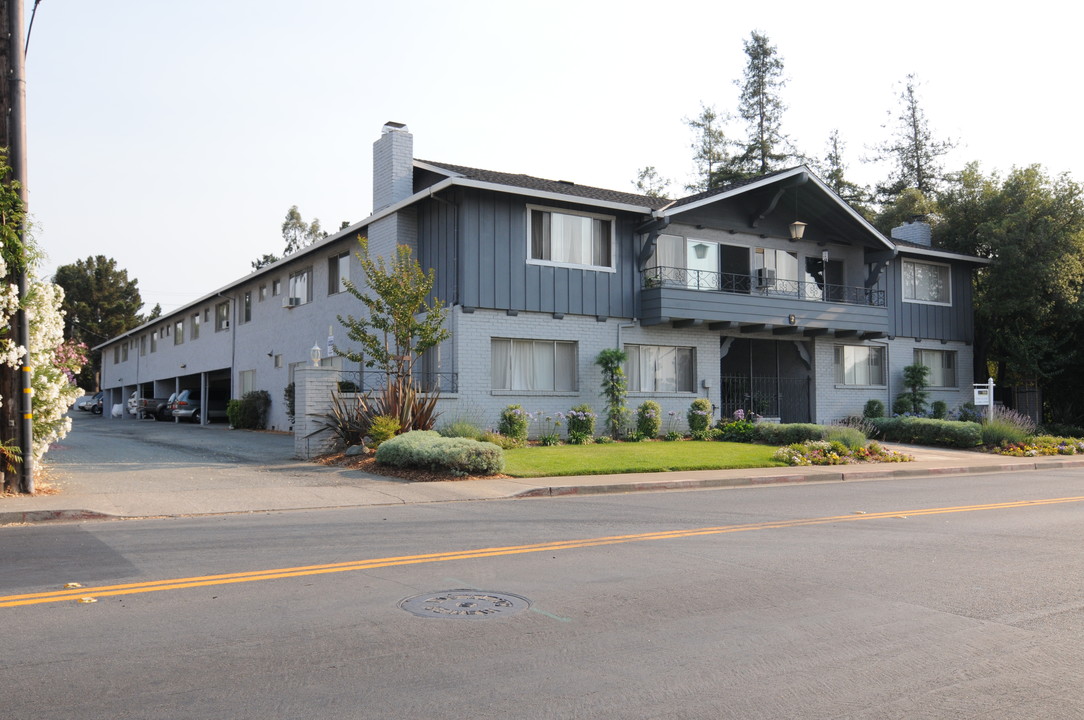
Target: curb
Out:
[829,476]
[37,516]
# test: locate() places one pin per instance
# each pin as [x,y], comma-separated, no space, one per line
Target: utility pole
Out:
[18,401]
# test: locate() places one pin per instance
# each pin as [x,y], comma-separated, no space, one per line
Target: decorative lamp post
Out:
[314,354]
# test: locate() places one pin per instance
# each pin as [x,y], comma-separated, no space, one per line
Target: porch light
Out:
[314,355]
[701,251]
[797,230]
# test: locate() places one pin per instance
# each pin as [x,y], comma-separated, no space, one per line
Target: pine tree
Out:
[710,147]
[912,149]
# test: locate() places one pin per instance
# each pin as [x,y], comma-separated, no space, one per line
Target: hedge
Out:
[787,433]
[429,450]
[926,431]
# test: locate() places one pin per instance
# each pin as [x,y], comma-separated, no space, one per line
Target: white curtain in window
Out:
[501,364]
[565,368]
[533,365]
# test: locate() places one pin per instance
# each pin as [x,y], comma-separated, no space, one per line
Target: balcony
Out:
[764,283]
[760,302]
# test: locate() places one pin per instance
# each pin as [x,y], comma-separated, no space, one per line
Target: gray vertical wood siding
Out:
[489,232]
[932,322]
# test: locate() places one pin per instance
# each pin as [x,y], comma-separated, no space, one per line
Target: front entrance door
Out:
[768,377]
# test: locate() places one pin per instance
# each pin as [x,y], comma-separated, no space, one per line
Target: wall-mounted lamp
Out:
[270,353]
[184,365]
[314,355]
[797,230]
[701,250]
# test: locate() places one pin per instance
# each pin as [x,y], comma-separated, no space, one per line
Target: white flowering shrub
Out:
[54,365]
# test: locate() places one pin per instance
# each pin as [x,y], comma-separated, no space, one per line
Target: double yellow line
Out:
[81,593]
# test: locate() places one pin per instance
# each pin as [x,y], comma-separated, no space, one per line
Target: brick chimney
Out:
[916,230]
[393,165]
[393,180]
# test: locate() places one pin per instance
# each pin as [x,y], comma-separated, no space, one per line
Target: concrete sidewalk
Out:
[126,492]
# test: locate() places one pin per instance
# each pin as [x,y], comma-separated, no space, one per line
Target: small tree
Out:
[401,324]
[614,388]
[915,380]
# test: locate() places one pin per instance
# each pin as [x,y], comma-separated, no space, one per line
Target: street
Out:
[929,597]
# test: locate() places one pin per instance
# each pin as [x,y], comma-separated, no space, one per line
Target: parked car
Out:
[153,408]
[186,406]
[92,404]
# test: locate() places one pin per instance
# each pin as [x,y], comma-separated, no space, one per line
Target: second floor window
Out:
[178,333]
[246,312]
[926,282]
[565,238]
[222,317]
[338,270]
[195,326]
[301,286]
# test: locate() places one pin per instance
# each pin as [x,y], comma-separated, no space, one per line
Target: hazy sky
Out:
[174,136]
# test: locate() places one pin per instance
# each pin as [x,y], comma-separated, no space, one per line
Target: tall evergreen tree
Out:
[710,147]
[766,148]
[833,170]
[649,182]
[913,151]
[100,302]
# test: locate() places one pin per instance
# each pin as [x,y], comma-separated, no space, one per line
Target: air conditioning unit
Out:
[291,302]
[765,278]
[226,325]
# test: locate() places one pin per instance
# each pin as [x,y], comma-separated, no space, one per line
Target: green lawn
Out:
[635,457]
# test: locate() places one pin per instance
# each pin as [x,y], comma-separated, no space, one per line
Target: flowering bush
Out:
[699,415]
[513,423]
[581,425]
[649,419]
[824,452]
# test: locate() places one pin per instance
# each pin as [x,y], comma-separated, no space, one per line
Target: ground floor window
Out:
[533,364]
[660,368]
[942,365]
[247,380]
[860,365]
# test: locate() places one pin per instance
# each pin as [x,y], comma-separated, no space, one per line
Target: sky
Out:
[174,136]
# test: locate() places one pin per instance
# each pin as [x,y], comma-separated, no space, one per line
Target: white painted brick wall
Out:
[478,403]
[834,401]
[312,396]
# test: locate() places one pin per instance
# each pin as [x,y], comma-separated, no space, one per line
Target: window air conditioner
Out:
[225,324]
[290,302]
[765,277]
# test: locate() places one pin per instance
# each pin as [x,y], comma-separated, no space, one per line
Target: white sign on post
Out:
[982,395]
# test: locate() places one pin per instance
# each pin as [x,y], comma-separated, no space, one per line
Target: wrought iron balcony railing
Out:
[763,283]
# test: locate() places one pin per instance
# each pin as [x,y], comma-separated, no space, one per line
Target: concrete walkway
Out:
[105,487]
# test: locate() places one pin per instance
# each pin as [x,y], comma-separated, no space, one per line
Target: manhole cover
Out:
[466,604]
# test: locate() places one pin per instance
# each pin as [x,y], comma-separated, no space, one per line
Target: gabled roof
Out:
[558,187]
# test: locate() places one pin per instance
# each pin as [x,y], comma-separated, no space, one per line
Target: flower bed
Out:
[823,452]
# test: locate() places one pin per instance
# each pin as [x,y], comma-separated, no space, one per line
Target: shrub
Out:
[969,413]
[849,437]
[672,436]
[581,423]
[649,419]
[706,434]
[1006,427]
[502,441]
[699,415]
[820,452]
[513,423]
[737,431]
[250,412]
[604,439]
[787,434]
[925,431]
[614,388]
[901,406]
[383,428]
[938,409]
[288,398]
[348,420]
[428,450]
[874,409]
[1063,431]
[915,379]
[460,428]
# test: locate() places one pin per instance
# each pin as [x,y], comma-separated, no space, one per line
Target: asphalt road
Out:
[927,598]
